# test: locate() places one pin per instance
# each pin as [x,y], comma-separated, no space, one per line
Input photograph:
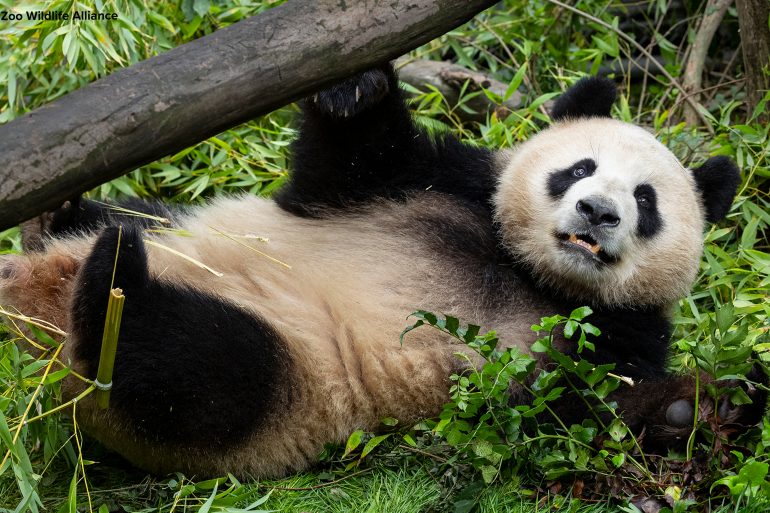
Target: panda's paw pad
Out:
[354,95]
[680,413]
[725,411]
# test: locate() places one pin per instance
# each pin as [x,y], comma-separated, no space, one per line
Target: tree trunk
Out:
[693,70]
[755,41]
[169,102]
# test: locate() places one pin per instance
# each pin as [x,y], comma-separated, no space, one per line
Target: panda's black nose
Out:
[598,211]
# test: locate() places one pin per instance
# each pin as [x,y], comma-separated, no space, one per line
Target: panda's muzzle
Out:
[587,245]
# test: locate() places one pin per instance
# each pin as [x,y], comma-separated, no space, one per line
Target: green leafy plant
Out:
[499,437]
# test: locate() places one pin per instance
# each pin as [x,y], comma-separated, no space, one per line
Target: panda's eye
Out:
[645,197]
[649,222]
[579,172]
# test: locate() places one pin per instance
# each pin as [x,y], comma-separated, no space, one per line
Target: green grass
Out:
[410,489]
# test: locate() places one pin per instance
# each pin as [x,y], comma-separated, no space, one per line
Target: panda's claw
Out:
[745,414]
[354,95]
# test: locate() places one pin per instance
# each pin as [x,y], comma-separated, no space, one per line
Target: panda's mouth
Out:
[587,245]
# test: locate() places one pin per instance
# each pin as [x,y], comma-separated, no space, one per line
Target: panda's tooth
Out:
[358,94]
[593,248]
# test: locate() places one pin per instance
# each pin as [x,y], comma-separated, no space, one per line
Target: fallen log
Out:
[450,79]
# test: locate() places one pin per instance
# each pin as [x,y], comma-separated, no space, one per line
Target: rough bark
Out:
[755,41]
[692,79]
[164,104]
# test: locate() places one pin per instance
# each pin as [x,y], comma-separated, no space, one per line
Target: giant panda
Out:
[290,338]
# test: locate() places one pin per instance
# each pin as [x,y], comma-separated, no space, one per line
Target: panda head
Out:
[604,213]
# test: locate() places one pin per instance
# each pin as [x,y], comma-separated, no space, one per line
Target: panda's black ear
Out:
[589,97]
[717,180]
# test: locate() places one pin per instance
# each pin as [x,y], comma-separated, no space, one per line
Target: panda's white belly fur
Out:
[339,307]
[342,303]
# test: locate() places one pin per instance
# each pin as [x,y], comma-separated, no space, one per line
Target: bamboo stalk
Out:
[109,347]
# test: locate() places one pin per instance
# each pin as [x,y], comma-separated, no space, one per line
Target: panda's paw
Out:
[36,271]
[729,415]
[354,95]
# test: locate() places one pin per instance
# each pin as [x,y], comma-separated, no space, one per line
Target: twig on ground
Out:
[424,453]
[316,487]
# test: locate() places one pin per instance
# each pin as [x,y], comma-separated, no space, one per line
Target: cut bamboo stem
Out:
[103,382]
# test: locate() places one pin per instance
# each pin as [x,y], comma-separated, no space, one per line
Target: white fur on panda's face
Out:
[602,211]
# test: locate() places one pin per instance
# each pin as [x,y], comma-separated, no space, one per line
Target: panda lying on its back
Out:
[254,370]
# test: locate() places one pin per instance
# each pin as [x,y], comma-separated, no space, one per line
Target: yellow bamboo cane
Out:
[109,347]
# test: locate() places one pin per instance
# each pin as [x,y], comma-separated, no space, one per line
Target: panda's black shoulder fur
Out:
[589,97]
[358,142]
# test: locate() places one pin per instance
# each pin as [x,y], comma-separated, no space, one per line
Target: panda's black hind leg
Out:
[191,369]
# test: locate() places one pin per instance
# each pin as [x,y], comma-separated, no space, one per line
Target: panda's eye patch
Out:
[649,222]
[645,196]
[560,181]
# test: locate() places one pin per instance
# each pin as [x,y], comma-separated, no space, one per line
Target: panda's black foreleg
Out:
[81,215]
[358,142]
[191,369]
[355,139]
